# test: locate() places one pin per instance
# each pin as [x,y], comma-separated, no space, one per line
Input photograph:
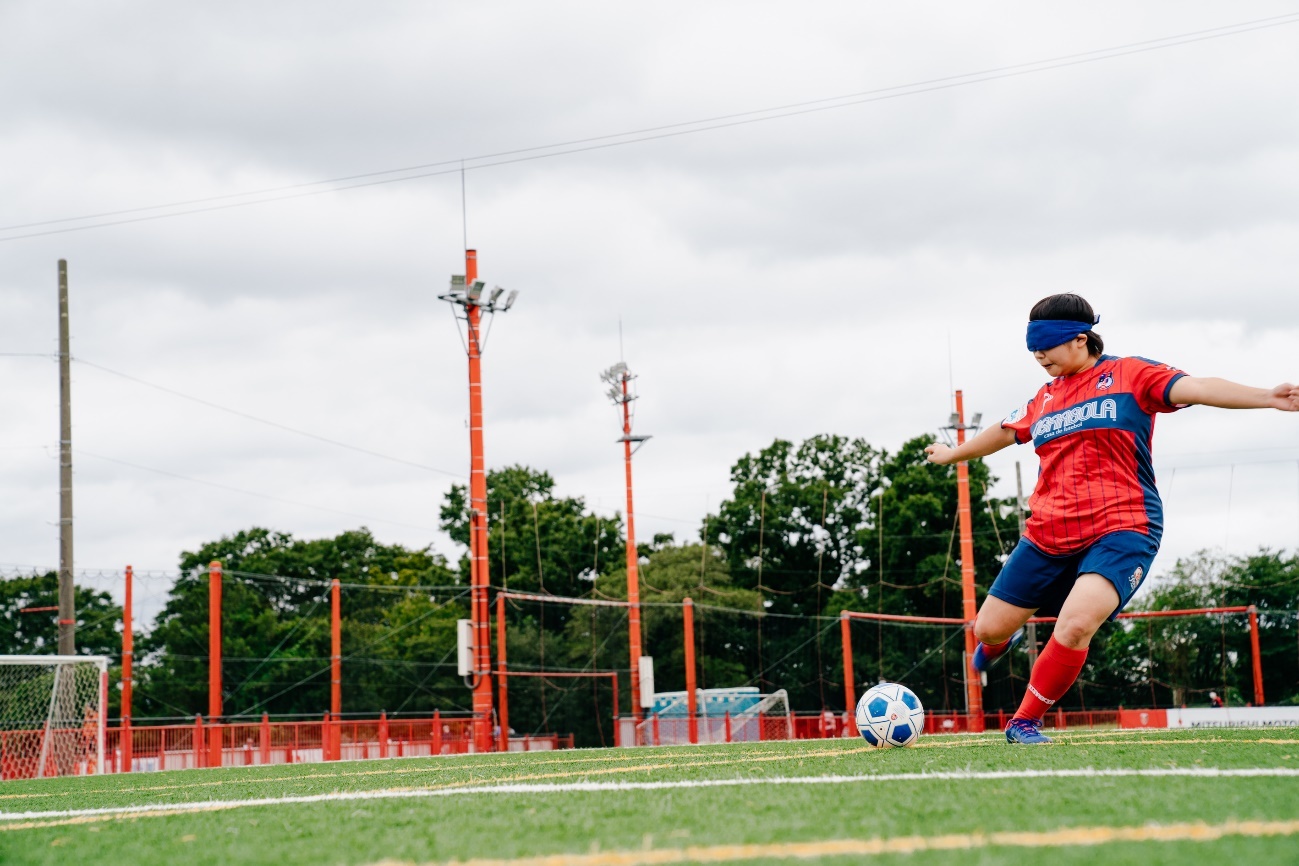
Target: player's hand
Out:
[940,454]
[1286,397]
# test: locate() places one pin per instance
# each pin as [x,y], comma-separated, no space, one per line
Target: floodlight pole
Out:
[466,292]
[478,520]
[619,378]
[973,682]
[633,558]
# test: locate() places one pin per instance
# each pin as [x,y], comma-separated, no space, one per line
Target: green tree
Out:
[397,636]
[99,622]
[537,542]
[1176,661]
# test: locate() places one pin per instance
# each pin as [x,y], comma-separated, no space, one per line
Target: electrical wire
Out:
[267,496]
[277,425]
[581,145]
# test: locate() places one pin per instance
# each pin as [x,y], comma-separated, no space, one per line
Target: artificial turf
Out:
[465,825]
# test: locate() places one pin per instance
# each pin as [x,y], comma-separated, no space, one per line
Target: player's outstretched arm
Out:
[990,441]
[1190,391]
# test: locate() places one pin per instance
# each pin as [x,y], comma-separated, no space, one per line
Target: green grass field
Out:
[1140,798]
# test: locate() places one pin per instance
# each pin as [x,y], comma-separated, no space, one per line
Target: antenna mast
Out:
[466,292]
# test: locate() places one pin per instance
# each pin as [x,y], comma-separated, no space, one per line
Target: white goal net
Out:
[739,715]
[53,710]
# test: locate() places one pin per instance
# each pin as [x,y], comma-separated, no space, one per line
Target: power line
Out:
[228,487]
[308,434]
[581,145]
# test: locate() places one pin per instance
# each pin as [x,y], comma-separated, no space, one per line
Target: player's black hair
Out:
[1069,308]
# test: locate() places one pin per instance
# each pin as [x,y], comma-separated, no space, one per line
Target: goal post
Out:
[53,715]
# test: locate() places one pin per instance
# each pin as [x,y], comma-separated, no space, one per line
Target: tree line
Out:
[808,530]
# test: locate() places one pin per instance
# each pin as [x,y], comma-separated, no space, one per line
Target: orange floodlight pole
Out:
[1258,658]
[503,681]
[619,379]
[128,656]
[214,710]
[973,683]
[692,720]
[467,292]
[478,520]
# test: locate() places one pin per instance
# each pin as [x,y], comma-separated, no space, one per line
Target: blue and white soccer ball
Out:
[890,715]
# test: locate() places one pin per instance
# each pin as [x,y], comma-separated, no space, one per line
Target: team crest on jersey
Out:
[1105,381]
[1016,415]
[1135,579]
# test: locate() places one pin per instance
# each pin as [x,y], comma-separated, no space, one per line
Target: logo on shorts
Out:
[1105,381]
[1135,579]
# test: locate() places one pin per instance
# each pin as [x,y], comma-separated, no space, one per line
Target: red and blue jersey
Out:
[1092,432]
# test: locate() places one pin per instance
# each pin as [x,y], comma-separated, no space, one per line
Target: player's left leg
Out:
[1092,600]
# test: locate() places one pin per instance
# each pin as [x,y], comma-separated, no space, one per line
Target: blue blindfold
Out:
[1049,333]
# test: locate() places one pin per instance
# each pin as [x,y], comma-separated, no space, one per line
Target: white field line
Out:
[159,809]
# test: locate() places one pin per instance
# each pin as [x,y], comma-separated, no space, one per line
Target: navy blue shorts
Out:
[1040,581]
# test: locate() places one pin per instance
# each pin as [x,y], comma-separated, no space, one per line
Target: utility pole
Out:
[67,605]
[973,681]
[619,378]
[1020,511]
[467,293]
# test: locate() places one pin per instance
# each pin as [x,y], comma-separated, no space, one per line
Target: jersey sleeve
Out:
[1151,384]
[1021,421]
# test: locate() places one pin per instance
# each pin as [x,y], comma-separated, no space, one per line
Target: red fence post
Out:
[198,742]
[849,686]
[1258,657]
[336,651]
[128,654]
[265,737]
[692,722]
[616,736]
[437,732]
[214,710]
[383,734]
[502,677]
[728,726]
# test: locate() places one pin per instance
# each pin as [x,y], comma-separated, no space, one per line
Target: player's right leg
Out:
[1025,581]
[999,628]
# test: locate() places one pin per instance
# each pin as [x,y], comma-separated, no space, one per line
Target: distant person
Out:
[1096,516]
[1214,700]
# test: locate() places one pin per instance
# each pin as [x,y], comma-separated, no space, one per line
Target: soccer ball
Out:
[890,715]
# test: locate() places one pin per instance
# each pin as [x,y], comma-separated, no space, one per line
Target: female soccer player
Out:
[1096,515]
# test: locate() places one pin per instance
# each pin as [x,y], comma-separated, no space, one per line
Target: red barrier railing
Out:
[258,743]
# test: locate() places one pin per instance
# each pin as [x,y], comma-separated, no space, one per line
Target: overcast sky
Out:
[783,277]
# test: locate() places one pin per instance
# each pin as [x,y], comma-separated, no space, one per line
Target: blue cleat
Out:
[982,661]
[1025,731]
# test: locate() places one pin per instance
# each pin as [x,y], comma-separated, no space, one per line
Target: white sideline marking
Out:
[157,809]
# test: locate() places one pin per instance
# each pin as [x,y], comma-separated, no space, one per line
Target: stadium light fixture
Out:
[496,294]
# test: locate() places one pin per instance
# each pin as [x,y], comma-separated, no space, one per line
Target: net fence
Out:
[50,717]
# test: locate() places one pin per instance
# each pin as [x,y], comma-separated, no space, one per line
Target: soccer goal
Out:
[53,712]
[737,715]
